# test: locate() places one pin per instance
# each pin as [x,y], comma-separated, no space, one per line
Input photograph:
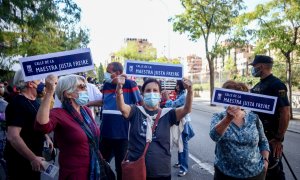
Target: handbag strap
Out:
[153,129]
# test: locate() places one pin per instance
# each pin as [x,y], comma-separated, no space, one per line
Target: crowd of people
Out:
[60,111]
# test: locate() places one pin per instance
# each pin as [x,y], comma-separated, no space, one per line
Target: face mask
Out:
[40,88]
[82,99]
[151,99]
[107,77]
[256,72]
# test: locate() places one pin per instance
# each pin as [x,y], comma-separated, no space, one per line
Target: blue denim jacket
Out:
[238,149]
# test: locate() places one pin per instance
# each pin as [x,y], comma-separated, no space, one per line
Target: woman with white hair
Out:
[23,151]
[75,130]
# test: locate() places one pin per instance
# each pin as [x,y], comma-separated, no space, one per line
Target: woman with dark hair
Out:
[242,149]
[141,118]
[184,127]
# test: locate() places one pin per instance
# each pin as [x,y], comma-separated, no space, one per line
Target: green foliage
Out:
[101,73]
[197,87]
[132,51]
[277,29]
[166,60]
[31,27]
[230,68]
[207,19]
[248,80]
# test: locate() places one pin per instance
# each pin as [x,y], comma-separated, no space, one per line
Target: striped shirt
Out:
[113,123]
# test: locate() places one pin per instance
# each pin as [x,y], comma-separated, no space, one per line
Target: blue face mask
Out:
[82,99]
[40,88]
[256,72]
[107,77]
[151,99]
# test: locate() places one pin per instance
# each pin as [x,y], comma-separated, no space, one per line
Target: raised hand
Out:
[187,84]
[120,80]
[51,82]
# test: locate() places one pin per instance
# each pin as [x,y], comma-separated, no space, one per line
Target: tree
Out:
[209,19]
[134,52]
[278,29]
[31,27]
[166,60]
[101,73]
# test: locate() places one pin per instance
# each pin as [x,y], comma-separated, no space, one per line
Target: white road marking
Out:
[205,166]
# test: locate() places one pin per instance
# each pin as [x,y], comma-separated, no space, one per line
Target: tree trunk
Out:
[211,75]
[289,80]
[210,61]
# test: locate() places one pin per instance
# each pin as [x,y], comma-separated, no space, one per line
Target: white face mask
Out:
[151,99]
[107,77]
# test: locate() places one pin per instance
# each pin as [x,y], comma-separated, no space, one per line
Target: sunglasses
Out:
[82,86]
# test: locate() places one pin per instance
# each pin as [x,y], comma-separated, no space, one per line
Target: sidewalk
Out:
[203,103]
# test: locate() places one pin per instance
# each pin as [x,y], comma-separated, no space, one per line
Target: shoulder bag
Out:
[136,170]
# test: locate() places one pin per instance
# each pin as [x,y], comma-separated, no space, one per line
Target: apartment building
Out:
[194,67]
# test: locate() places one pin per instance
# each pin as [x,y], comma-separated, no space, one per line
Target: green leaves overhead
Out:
[209,19]
[31,27]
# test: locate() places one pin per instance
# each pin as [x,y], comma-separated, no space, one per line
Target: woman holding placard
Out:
[242,148]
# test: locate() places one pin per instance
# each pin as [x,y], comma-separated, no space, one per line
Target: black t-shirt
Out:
[158,157]
[272,86]
[21,112]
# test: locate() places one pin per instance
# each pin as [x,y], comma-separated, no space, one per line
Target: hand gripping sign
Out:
[59,63]
[155,70]
[246,100]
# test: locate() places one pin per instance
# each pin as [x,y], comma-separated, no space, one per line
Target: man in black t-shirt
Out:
[23,152]
[275,125]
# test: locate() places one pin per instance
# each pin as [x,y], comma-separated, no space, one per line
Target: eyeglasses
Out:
[82,86]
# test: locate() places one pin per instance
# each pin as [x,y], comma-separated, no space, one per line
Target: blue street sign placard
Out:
[60,63]
[251,101]
[156,70]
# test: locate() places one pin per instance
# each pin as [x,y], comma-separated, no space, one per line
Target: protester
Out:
[114,129]
[242,148]
[23,151]
[186,129]
[76,132]
[158,157]
[3,105]
[95,98]
[276,124]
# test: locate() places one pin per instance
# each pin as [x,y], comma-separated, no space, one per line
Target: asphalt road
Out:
[202,147]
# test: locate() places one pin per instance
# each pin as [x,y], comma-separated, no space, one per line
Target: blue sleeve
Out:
[178,102]
[263,143]
[136,95]
[214,135]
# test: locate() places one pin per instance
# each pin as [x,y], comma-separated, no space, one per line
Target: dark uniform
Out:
[272,86]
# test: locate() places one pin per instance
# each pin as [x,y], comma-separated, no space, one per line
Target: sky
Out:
[111,21]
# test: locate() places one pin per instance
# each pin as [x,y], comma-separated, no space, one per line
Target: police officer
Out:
[275,125]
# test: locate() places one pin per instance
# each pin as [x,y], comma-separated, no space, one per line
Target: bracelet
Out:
[266,159]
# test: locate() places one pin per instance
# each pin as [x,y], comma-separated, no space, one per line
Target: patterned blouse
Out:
[238,149]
